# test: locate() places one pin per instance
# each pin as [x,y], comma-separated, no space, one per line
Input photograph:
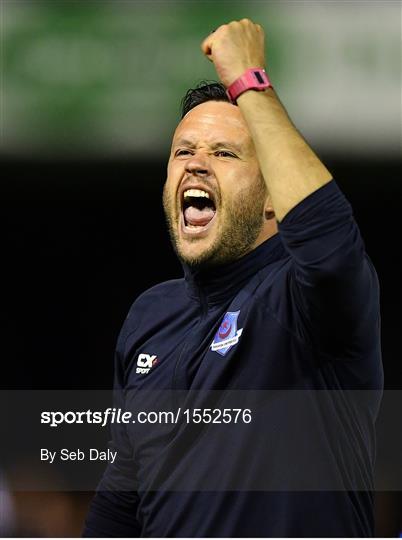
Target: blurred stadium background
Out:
[90,94]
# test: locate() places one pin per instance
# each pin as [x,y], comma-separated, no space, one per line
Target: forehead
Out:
[211,121]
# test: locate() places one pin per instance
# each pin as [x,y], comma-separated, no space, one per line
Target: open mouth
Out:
[198,210]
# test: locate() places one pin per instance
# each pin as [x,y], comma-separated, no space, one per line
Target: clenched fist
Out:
[235,47]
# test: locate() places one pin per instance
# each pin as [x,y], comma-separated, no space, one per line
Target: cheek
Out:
[169,199]
[233,185]
[172,179]
[242,191]
[167,195]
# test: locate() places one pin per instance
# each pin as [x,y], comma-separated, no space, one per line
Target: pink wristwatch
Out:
[252,79]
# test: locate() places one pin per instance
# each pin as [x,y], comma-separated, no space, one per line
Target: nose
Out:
[198,165]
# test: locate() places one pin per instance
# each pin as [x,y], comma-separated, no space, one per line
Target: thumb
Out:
[206,46]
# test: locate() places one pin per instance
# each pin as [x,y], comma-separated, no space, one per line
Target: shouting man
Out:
[279,298]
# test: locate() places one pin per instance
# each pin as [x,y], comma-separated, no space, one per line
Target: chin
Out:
[195,255]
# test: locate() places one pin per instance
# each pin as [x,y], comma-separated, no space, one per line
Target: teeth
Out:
[196,193]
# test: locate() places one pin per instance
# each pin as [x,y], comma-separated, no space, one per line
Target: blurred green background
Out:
[106,77]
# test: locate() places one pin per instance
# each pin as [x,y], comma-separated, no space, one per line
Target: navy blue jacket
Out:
[293,329]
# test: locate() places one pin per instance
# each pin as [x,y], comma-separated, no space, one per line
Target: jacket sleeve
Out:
[113,510]
[332,279]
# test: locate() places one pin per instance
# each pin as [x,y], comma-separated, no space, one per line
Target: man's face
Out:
[214,194]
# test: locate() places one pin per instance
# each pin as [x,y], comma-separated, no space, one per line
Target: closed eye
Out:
[182,152]
[224,153]
[218,153]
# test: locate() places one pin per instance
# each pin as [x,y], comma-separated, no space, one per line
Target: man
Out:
[278,298]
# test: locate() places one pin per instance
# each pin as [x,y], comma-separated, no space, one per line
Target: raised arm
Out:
[332,279]
[290,168]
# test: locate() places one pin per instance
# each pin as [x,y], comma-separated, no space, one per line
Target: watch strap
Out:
[252,79]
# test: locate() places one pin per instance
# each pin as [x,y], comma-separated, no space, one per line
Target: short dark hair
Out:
[204,91]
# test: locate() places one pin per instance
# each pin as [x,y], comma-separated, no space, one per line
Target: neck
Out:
[222,281]
[269,229]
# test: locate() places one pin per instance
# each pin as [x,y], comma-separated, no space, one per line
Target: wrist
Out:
[252,79]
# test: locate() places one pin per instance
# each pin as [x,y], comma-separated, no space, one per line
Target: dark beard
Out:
[243,222]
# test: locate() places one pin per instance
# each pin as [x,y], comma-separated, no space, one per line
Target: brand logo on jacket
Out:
[227,335]
[145,362]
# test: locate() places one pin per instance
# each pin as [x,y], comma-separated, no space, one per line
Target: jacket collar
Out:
[218,284]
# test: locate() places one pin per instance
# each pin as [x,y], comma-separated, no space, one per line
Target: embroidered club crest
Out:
[227,335]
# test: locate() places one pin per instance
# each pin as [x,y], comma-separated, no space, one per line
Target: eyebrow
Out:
[184,142]
[214,146]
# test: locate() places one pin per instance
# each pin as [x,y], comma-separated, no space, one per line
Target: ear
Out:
[269,212]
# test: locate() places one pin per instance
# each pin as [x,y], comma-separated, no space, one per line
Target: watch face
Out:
[259,77]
